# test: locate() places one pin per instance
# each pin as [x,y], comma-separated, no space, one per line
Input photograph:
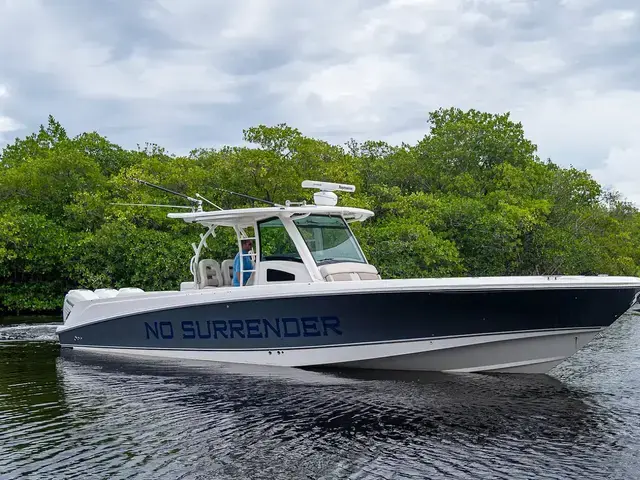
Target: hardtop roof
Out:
[244,217]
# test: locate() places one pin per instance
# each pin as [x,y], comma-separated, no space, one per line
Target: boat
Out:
[309,297]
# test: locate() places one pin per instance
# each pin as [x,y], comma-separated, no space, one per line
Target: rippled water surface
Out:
[68,415]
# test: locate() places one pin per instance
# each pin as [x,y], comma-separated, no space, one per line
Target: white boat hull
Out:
[522,325]
[518,352]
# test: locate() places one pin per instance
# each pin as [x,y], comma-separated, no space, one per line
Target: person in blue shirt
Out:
[248,264]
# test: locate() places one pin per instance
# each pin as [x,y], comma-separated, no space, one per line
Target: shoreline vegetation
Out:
[471,198]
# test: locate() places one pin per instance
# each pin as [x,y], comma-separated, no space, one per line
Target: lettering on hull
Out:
[285,327]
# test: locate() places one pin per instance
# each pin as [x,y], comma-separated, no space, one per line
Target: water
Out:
[72,415]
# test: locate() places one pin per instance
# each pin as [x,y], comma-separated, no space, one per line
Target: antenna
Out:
[328,186]
[326,197]
[193,200]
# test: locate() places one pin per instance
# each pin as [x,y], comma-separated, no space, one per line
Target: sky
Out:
[194,73]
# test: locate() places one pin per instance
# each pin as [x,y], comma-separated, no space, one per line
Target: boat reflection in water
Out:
[253,420]
[364,400]
[73,414]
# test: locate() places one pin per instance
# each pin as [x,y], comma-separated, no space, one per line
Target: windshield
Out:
[275,243]
[329,239]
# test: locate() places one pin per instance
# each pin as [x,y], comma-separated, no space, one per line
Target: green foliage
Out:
[34,254]
[463,149]
[408,249]
[34,145]
[120,254]
[470,198]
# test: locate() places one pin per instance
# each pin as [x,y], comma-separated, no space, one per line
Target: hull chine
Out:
[516,352]
[519,352]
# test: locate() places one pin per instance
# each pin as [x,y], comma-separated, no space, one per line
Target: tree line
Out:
[471,198]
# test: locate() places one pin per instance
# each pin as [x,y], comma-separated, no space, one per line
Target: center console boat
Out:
[312,299]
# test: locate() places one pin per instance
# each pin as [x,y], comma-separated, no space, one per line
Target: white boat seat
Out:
[348,271]
[227,271]
[209,273]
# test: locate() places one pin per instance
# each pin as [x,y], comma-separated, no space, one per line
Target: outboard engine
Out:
[82,295]
[106,292]
[129,291]
[74,296]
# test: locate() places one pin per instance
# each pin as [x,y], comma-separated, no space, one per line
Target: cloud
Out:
[613,21]
[621,170]
[7,124]
[194,73]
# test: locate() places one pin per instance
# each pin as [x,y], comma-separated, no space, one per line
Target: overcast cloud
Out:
[191,73]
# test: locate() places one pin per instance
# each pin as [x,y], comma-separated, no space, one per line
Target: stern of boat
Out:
[74,297]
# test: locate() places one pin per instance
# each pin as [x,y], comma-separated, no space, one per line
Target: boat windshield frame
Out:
[339,224]
[240,219]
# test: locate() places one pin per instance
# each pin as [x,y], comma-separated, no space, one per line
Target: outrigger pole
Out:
[151,205]
[191,199]
[249,197]
[196,200]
